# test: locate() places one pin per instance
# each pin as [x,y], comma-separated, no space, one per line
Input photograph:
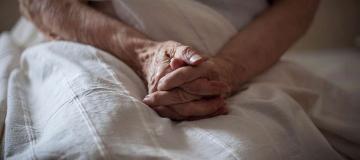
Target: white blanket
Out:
[73,101]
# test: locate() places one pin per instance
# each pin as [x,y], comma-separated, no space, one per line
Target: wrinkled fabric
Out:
[72,101]
[185,21]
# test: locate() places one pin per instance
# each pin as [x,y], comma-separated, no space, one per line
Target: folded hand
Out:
[183,85]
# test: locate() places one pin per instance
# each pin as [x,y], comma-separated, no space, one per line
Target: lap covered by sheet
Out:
[75,101]
[70,100]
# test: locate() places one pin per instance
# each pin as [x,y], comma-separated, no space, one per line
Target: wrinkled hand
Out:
[164,57]
[212,70]
[193,99]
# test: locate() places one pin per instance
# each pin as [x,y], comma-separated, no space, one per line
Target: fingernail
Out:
[194,58]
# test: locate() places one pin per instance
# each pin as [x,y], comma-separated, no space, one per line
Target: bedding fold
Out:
[73,101]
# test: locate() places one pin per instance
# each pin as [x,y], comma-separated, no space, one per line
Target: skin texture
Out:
[182,83]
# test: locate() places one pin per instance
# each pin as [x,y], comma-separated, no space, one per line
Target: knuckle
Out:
[194,88]
[182,96]
[212,74]
[189,88]
[184,71]
[172,43]
[186,51]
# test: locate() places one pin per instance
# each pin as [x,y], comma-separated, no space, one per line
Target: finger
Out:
[221,111]
[205,87]
[180,76]
[176,63]
[167,112]
[174,96]
[188,55]
[156,76]
[198,108]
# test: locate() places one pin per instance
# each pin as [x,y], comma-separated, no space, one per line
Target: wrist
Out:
[140,52]
[231,73]
[145,54]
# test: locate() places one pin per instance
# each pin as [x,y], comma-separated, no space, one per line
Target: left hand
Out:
[169,101]
[161,58]
[199,98]
[213,70]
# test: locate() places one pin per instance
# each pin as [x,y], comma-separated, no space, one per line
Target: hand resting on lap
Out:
[199,97]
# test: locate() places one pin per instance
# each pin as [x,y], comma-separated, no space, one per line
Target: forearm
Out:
[75,21]
[260,44]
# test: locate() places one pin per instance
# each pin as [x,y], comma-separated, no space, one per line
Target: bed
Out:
[69,100]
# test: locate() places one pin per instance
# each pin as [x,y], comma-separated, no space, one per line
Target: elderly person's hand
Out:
[195,99]
[213,72]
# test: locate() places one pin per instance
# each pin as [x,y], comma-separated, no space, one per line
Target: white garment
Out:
[67,100]
[174,20]
[238,12]
[220,19]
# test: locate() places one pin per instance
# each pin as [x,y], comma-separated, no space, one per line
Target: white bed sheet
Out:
[69,100]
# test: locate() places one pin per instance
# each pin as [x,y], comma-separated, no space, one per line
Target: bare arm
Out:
[260,44]
[254,49]
[75,21]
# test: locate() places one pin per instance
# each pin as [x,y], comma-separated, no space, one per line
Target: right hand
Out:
[200,98]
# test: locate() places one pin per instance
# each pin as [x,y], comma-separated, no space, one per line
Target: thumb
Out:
[189,56]
[176,63]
